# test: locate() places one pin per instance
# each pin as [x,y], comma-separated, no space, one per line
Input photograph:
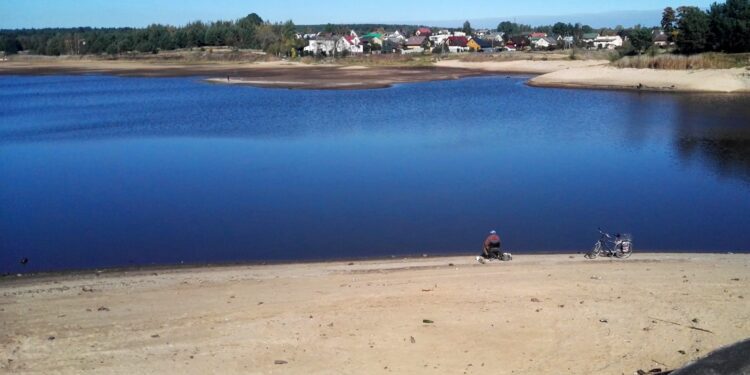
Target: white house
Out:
[608,42]
[327,45]
[352,43]
[439,39]
[395,37]
[540,42]
[495,35]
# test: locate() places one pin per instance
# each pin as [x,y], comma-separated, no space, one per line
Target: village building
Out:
[423,31]
[608,42]
[372,38]
[353,44]
[661,39]
[479,45]
[544,43]
[396,37]
[457,44]
[325,45]
[417,44]
[520,41]
[438,39]
[494,35]
[392,46]
[589,37]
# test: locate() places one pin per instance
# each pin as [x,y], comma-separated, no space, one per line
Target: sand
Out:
[273,74]
[521,66]
[295,75]
[538,314]
[707,80]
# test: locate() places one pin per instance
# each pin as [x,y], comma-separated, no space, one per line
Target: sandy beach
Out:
[602,77]
[538,314]
[521,66]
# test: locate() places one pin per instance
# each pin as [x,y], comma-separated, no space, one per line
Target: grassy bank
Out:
[685,62]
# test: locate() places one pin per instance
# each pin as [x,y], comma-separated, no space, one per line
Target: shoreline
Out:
[11,277]
[539,314]
[577,74]
[725,81]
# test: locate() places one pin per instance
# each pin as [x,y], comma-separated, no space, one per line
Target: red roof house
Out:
[423,31]
[457,41]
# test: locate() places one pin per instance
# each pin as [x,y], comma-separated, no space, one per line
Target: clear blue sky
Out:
[103,13]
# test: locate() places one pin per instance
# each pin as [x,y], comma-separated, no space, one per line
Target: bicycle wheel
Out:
[624,250]
[595,251]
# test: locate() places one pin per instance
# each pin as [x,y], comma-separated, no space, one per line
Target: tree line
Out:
[247,32]
[723,27]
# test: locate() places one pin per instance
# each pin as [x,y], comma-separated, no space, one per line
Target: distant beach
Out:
[553,72]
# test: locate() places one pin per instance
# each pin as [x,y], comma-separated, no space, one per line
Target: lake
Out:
[101,171]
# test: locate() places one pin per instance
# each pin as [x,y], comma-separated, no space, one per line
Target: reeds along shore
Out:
[684,62]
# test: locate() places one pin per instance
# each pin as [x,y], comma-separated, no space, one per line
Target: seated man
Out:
[491,247]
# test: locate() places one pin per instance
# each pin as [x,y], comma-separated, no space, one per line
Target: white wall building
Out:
[608,42]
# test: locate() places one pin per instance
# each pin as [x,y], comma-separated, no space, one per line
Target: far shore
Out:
[284,74]
[537,314]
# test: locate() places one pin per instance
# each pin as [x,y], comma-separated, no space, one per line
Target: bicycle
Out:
[618,245]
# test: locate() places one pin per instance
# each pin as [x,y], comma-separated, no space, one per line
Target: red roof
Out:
[538,35]
[424,30]
[416,41]
[457,41]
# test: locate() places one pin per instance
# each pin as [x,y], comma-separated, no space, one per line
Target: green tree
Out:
[641,39]
[668,18]
[692,30]
[730,25]
[467,28]
[10,45]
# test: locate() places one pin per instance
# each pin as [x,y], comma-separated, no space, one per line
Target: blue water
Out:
[99,171]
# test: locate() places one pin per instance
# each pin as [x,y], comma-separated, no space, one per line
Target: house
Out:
[568,41]
[608,42]
[537,35]
[417,44]
[497,36]
[544,43]
[661,39]
[395,37]
[392,45]
[510,47]
[457,44]
[480,45]
[438,39]
[423,31]
[589,37]
[372,38]
[353,44]
[520,41]
[325,46]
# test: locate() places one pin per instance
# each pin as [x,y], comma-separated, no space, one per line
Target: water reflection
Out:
[715,130]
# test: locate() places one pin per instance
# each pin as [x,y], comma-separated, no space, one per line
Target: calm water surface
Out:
[99,171]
